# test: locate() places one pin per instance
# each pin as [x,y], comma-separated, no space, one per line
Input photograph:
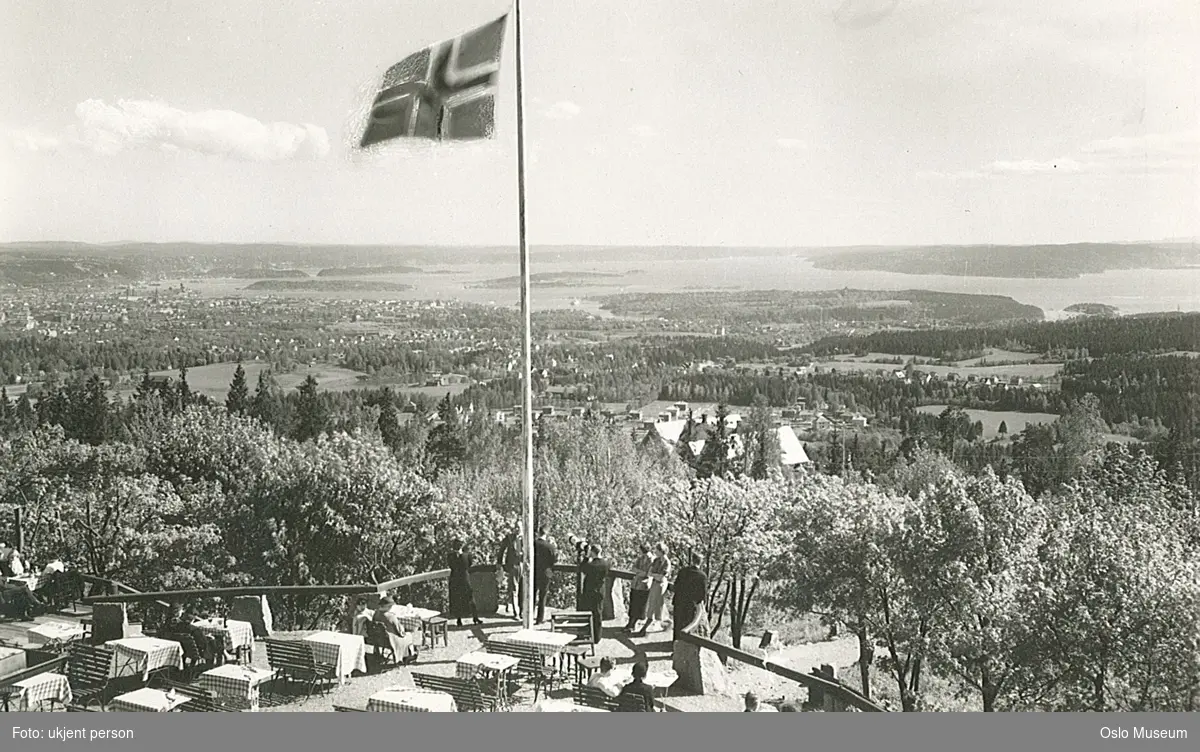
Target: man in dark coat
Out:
[691,589]
[544,558]
[462,597]
[595,572]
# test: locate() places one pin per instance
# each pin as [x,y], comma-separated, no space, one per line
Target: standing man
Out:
[595,572]
[691,589]
[639,588]
[509,561]
[544,558]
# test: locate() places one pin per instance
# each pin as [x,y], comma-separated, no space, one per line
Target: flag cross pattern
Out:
[444,92]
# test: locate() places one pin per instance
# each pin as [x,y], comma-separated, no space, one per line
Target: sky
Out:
[672,122]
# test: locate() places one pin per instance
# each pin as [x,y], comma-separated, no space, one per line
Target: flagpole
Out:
[527,338]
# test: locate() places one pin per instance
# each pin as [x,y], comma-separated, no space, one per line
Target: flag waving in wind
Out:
[445,92]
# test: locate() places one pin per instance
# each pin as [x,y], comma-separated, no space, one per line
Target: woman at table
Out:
[605,680]
[462,599]
[660,569]
[401,641]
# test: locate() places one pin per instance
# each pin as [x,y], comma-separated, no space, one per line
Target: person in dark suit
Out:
[595,572]
[462,598]
[211,647]
[544,559]
[691,588]
[18,600]
[638,686]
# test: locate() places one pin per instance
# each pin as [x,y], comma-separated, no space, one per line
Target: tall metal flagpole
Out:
[527,338]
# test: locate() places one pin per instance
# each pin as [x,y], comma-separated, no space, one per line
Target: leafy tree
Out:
[760,440]
[732,525]
[238,399]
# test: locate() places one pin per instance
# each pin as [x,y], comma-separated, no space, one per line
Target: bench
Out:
[532,664]
[294,660]
[594,697]
[466,692]
[88,667]
[344,709]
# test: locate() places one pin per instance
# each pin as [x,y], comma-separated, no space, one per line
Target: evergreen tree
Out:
[714,460]
[95,416]
[24,416]
[266,405]
[312,419]
[6,411]
[1003,429]
[238,399]
[185,391]
[389,424]
[760,440]
[446,446]
[145,387]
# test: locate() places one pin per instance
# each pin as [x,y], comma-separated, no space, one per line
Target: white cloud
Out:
[1148,153]
[563,110]
[140,124]
[32,140]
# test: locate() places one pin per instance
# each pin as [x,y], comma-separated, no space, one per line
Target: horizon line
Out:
[463,246]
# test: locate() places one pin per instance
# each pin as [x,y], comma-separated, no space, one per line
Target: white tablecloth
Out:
[348,653]
[141,655]
[408,700]
[238,683]
[468,666]
[546,643]
[38,689]
[55,631]
[659,680]
[146,700]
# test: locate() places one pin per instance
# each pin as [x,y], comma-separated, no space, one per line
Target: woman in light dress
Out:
[660,570]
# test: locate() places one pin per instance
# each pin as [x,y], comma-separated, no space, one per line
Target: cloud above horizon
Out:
[1148,153]
[141,124]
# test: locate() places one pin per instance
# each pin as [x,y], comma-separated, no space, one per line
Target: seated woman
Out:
[605,680]
[401,641]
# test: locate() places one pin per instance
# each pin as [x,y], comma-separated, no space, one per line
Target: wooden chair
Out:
[466,692]
[532,664]
[580,624]
[88,667]
[378,637]
[192,657]
[434,628]
[80,709]
[294,660]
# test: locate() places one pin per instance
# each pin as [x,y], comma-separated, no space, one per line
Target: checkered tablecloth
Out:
[468,666]
[237,634]
[237,683]
[347,652]
[413,619]
[40,688]
[146,700]
[54,631]
[141,655]
[546,643]
[408,700]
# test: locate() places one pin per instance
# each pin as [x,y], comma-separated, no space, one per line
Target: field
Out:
[975,367]
[213,381]
[992,419]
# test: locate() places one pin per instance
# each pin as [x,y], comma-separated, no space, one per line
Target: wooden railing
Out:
[815,682]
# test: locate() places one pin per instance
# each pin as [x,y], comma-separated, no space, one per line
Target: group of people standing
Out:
[648,589]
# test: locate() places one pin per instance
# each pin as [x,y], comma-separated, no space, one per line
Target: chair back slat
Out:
[594,697]
[465,692]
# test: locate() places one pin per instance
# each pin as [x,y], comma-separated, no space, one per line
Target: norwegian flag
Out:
[444,92]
